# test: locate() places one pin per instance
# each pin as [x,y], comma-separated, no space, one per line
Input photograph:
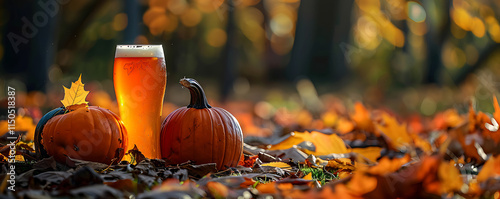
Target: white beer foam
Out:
[139,51]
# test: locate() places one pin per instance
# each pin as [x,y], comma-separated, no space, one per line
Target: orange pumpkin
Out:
[85,132]
[201,133]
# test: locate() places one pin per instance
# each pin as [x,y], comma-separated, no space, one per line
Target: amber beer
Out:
[140,77]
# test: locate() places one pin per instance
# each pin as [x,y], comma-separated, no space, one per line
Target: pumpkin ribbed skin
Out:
[87,133]
[202,134]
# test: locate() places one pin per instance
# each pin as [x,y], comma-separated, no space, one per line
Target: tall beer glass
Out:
[140,77]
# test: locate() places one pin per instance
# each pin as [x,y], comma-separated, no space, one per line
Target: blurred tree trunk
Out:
[322,26]
[435,38]
[132,9]
[230,54]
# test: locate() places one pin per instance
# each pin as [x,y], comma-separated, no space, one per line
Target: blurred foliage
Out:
[414,56]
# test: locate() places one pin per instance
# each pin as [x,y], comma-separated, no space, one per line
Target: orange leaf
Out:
[344,126]
[362,118]
[447,119]
[324,144]
[309,176]
[395,133]
[449,177]
[386,165]
[339,191]
[23,123]
[496,114]
[490,169]
[372,153]
[217,189]
[343,164]
[329,118]
[269,188]
[421,143]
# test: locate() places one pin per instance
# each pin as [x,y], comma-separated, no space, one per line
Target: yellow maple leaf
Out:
[281,165]
[323,143]
[309,176]
[371,153]
[76,94]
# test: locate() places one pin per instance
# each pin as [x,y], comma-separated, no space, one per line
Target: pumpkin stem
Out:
[198,98]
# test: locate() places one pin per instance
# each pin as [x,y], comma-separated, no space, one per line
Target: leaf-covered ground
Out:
[332,153]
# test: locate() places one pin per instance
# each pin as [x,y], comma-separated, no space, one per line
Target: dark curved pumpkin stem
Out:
[198,98]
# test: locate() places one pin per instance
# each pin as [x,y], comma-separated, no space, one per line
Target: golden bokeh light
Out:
[366,33]
[477,27]
[151,14]
[372,18]
[368,6]
[251,12]
[247,3]
[173,22]
[417,28]
[250,21]
[397,9]
[177,7]
[191,17]
[284,1]
[216,37]
[208,6]
[453,57]
[462,18]
[281,45]
[158,25]
[120,22]
[281,25]
[493,28]
[158,3]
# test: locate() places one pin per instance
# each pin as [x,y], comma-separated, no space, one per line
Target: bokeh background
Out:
[260,58]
